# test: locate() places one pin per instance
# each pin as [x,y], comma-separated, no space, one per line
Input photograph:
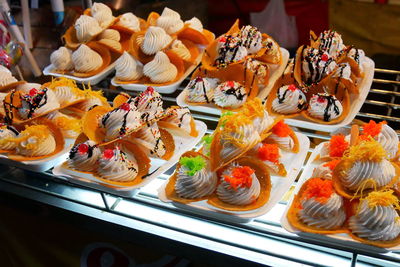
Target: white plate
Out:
[158,166]
[276,72]
[42,164]
[356,101]
[93,80]
[341,239]
[280,185]
[165,89]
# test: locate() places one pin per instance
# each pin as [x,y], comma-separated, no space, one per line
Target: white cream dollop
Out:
[84,159]
[110,34]
[325,107]
[102,14]
[289,101]
[181,50]
[62,59]
[149,103]
[34,147]
[7,132]
[160,69]
[286,142]
[200,90]
[155,39]
[389,140]
[322,171]
[331,42]
[316,65]
[180,117]
[230,94]
[195,24]
[229,49]
[118,167]
[86,59]
[128,68]
[86,28]
[130,21]
[43,101]
[170,21]
[251,39]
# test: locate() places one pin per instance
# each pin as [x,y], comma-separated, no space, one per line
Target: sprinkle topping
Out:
[337,146]
[319,189]
[269,152]
[240,177]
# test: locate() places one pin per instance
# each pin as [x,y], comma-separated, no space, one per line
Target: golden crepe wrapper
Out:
[202,38]
[170,187]
[272,55]
[264,178]
[294,220]
[10,86]
[175,129]
[152,19]
[342,168]
[90,124]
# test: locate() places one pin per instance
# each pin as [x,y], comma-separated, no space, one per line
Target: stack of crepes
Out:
[355,189]
[117,141]
[234,68]
[318,83]
[232,171]
[161,53]
[60,101]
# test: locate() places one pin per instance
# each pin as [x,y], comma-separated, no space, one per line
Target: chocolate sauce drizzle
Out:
[331,102]
[222,60]
[319,73]
[326,42]
[281,98]
[236,92]
[74,150]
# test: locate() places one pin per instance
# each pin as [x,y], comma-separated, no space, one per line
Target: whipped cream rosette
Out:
[129,23]
[284,137]
[376,220]
[234,136]
[326,108]
[40,139]
[7,132]
[66,91]
[317,208]
[179,121]
[21,107]
[193,179]
[243,185]
[7,80]
[102,14]
[86,28]
[154,141]
[193,31]
[270,155]
[62,59]
[84,156]
[155,39]
[364,167]
[328,41]
[230,94]
[170,21]
[325,169]
[383,134]
[161,70]
[128,69]
[288,100]
[201,90]
[150,104]
[90,59]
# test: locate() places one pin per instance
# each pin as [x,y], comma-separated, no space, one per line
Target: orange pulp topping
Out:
[269,152]
[332,164]
[240,177]
[319,189]
[372,128]
[281,129]
[337,146]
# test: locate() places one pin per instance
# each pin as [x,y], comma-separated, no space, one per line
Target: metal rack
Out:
[262,240]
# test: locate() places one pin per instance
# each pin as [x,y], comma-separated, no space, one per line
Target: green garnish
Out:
[193,164]
[207,140]
[223,118]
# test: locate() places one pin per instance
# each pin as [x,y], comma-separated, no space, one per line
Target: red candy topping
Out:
[292,87]
[108,153]
[324,57]
[222,39]
[150,89]
[337,146]
[199,79]
[318,188]
[230,83]
[33,92]
[125,106]
[83,148]
[240,177]
[269,152]
[321,99]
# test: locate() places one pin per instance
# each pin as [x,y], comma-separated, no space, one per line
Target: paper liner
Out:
[90,124]
[346,107]
[272,56]
[122,29]
[105,55]
[342,168]
[272,96]
[201,38]
[170,187]
[294,220]
[11,86]
[265,187]
[57,134]
[152,19]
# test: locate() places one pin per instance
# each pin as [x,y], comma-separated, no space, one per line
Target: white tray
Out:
[165,89]
[280,185]
[42,164]
[276,72]
[356,101]
[341,239]
[93,80]
[158,166]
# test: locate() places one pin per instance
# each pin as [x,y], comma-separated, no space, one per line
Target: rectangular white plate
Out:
[158,166]
[280,185]
[42,164]
[342,239]
[93,80]
[276,72]
[356,101]
[165,89]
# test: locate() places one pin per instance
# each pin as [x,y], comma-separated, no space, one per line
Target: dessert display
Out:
[162,53]
[320,82]
[351,186]
[238,164]
[235,68]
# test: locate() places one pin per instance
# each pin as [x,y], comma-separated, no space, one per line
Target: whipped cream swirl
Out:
[115,165]
[201,184]
[289,100]
[316,65]
[130,21]
[181,117]
[155,40]
[38,102]
[62,59]
[251,39]
[195,24]
[230,94]
[128,68]
[150,138]
[160,69]
[86,59]
[110,34]
[84,156]
[102,14]
[7,132]
[230,49]
[200,90]
[325,107]
[170,21]
[389,140]
[86,28]
[181,50]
